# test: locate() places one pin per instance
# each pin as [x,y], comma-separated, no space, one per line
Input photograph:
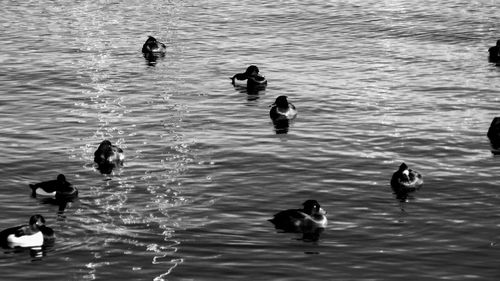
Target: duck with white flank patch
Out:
[34,234]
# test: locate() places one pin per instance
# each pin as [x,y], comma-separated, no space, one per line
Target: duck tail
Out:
[33,189]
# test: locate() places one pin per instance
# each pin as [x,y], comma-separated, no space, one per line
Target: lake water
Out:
[376,83]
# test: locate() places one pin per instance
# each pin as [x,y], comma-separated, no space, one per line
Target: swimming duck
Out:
[59,189]
[153,46]
[406,180]
[153,50]
[494,135]
[494,52]
[254,79]
[108,156]
[35,234]
[305,220]
[281,109]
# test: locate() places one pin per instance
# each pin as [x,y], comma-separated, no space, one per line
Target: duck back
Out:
[11,238]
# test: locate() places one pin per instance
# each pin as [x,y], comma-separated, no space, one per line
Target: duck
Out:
[34,234]
[281,113]
[152,50]
[494,135]
[108,156]
[281,109]
[406,180]
[494,52]
[251,74]
[59,189]
[306,220]
[153,46]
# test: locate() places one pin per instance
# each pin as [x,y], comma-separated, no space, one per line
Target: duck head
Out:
[405,172]
[152,45]
[151,40]
[281,102]
[36,221]
[312,208]
[252,70]
[61,178]
[104,144]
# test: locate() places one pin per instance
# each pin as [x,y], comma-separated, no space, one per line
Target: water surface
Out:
[376,83]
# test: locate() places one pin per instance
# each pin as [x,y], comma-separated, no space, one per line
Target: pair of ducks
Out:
[36,233]
[406,180]
[107,157]
[282,111]
[312,217]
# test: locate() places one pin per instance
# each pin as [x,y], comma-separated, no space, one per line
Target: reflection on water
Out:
[152,59]
[253,94]
[281,126]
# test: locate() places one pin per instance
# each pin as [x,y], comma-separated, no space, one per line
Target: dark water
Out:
[375,83]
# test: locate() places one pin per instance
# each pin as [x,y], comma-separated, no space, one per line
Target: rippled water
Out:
[375,83]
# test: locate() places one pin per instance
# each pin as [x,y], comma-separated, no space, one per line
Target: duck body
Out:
[34,234]
[251,83]
[108,156]
[48,235]
[281,109]
[16,238]
[250,78]
[58,189]
[494,135]
[406,180]
[257,81]
[67,195]
[305,220]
